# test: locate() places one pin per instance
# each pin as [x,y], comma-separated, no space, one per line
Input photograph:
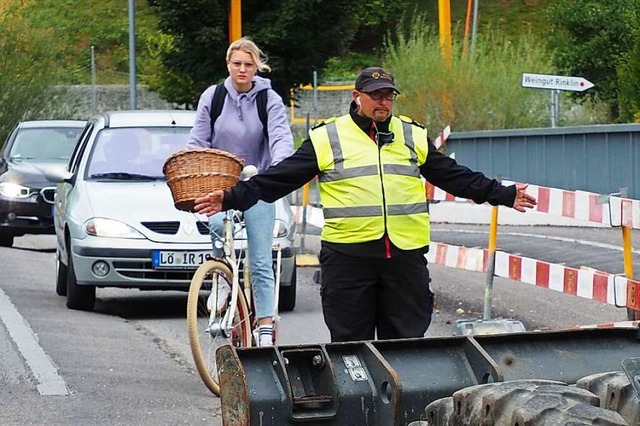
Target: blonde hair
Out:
[245,45]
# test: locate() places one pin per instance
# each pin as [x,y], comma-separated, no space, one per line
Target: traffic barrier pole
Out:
[304,258]
[491,264]
[305,202]
[632,314]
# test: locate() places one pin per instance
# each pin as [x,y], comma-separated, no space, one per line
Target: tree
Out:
[592,38]
[76,25]
[298,36]
[28,69]
[629,79]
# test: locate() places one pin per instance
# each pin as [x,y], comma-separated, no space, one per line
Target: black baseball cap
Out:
[375,78]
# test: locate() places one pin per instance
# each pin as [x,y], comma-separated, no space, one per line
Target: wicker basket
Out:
[194,172]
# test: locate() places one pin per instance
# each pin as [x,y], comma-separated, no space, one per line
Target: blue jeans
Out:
[259,221]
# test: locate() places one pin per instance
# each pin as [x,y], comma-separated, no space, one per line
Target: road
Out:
[128,362]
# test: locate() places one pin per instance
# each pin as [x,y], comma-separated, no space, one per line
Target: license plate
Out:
[162,259]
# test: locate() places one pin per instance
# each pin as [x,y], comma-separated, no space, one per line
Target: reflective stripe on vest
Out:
[359,202]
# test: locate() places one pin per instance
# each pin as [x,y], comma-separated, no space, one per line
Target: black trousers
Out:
[364,296]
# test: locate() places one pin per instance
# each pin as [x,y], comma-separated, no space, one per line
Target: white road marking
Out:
[41,366]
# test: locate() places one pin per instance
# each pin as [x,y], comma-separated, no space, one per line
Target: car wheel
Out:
[61,277]
[287,299]
[6,240]
[81,298]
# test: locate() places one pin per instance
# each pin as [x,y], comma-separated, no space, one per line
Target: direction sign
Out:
[555,82]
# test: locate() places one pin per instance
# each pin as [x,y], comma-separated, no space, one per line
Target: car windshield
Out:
[134,153]
[44,143]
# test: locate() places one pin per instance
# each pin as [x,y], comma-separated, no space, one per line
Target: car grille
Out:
[203,227]
[171,228]
[48,194]
[168,228]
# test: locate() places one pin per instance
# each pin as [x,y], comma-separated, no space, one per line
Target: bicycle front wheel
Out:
[210,326]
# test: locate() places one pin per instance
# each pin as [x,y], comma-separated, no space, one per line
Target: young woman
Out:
[239,130]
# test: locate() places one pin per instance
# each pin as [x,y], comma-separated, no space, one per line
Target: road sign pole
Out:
[555,107]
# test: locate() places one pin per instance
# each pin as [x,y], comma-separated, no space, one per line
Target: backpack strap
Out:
[217,102]
[219,95]
[261,102]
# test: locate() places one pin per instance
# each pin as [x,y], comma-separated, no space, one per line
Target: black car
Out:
[26,196]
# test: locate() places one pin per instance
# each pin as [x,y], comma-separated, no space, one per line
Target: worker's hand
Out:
[210,204]
[523,200]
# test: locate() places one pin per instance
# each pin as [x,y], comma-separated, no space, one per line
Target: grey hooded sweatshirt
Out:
[238,130]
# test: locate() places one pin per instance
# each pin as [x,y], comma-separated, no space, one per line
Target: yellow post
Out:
[627,251]
[444,19]
[491,264]
[235,20]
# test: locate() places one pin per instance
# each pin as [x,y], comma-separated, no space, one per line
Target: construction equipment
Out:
[461,380]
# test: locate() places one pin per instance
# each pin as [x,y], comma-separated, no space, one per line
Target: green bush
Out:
[480,90]
[28,71]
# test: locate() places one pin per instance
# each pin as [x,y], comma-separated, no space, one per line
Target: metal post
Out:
[235,20]
[627,249]
[491,264]
[474,25]
[556,105]
[444,19]
[94,96]
[133,104]
[315,98]
[553,108]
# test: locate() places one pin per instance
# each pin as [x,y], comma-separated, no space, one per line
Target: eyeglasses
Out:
[238,64]
[376,95]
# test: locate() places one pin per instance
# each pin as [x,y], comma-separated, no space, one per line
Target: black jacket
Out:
[301,167]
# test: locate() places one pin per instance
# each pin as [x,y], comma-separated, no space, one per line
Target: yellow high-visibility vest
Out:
[365,190]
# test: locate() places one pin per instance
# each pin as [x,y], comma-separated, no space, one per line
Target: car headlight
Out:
[13,190]
[280,229]
[101,227]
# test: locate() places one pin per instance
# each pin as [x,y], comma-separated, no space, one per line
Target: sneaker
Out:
[266,341]
[265,335]
[219,298]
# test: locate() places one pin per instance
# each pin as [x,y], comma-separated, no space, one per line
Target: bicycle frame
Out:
[229,254]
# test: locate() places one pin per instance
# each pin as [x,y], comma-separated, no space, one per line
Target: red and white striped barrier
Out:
[587,283]
[442,137]
[580,205]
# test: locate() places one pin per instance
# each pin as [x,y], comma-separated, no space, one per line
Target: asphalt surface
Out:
[129,363]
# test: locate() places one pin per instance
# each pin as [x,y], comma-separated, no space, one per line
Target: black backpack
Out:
[220,94]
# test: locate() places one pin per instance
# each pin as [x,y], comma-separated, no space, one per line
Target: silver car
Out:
[114,218]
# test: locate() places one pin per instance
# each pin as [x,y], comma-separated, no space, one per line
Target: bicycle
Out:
[209,326]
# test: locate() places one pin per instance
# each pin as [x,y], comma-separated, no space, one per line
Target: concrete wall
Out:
[77,102]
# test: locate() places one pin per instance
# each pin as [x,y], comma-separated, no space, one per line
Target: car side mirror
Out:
[57,173]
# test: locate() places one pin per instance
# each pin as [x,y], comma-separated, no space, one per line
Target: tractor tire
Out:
[521,403]
[615,393]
